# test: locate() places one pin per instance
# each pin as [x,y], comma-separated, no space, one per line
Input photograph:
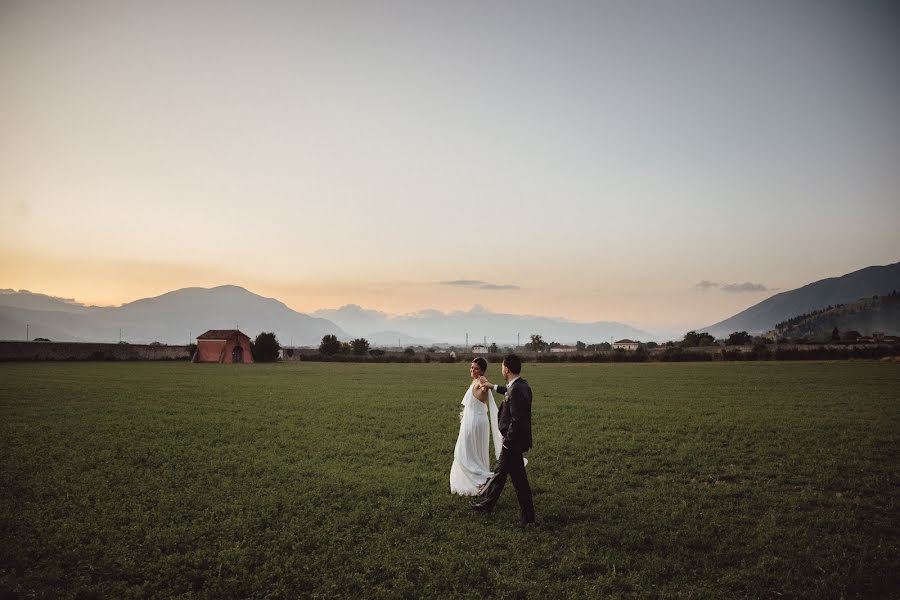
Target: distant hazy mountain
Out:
[175,318]
[479,323]
[396,339]
[32,301]
[763,317]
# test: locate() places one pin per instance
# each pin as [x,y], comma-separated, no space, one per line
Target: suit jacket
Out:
[515,415]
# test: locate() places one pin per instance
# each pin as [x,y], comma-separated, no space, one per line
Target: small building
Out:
[479,349]
[627,345]
[563,349]
[223,346]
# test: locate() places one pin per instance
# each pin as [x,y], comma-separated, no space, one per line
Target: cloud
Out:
[732,288]
[706,285]
[481,285]
[738,288]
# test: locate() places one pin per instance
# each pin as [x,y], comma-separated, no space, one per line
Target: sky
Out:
[664,164]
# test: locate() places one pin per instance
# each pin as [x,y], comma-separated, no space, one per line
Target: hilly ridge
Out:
[175,317]
[762,317]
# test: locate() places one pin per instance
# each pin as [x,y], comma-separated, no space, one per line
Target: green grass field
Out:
[127,480]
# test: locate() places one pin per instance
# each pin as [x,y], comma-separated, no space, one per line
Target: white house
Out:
[629,345]
[479,349]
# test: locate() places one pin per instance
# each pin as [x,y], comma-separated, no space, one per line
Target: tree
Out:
[651,345]
[493,349]
[580,346]
[359,346]
[739,338]
[706,339]
[835,335]
[265,347]
[330,345]
[537,343]
[692,339]
[409,350]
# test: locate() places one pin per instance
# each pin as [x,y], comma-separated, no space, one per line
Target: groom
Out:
[515,426]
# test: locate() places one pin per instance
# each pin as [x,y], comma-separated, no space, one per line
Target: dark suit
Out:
[515,426]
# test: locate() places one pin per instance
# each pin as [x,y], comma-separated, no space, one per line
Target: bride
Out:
[471,468]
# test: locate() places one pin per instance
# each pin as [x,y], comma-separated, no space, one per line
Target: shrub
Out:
[330,345]
[265,347]
[359,346]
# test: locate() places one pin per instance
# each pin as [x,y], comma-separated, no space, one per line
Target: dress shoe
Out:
[482,507]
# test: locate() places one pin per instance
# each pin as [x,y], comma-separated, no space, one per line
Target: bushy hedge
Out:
[674,354]
[377,358]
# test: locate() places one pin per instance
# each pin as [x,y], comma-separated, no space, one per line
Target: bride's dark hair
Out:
[481,363]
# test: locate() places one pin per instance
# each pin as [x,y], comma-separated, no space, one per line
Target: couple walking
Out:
[510,428]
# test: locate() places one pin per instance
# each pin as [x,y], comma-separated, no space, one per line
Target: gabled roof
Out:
[627,342]
[222,334]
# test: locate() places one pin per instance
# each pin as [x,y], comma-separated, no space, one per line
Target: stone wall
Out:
[10,351]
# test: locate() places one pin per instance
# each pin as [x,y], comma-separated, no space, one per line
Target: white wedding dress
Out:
[471,458]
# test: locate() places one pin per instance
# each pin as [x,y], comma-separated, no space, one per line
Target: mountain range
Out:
[177,317]
[479,323]
[761,318]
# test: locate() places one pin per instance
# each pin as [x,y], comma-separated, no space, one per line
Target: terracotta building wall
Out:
[209,350]
[245,344]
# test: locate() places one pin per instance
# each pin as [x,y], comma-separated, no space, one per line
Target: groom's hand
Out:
[485,384]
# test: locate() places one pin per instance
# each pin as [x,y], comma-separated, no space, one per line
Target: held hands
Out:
[484,384]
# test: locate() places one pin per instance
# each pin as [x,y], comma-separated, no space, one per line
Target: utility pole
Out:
[26,332]
[518,340]
[467,339]
[120,335]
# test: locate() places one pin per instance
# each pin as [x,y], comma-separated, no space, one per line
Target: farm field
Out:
[711,480]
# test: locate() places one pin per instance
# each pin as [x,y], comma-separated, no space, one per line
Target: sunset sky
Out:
[664,164]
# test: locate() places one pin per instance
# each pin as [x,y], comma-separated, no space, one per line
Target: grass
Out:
[132,480]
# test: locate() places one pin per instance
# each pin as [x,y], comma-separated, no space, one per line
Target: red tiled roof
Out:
[222,334]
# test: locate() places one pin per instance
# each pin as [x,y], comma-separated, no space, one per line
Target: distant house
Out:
[223,346]
[628,345]
[479,349]
[562,349]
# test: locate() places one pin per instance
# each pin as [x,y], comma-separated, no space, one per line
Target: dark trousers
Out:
[512,464]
